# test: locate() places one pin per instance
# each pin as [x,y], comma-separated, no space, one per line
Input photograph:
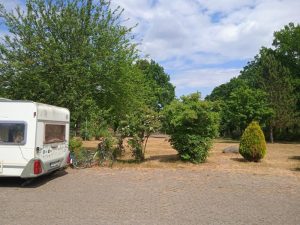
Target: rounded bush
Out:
[253,144]
[193,148]
[192,124]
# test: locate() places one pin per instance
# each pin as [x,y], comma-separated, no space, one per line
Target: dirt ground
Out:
[280,158]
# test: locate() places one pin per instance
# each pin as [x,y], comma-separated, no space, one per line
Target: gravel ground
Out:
[151,196]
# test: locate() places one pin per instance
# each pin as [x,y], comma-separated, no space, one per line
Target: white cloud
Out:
[203,78]
[183,27]
[188,34]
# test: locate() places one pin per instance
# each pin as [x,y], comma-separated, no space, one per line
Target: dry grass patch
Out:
[280,158]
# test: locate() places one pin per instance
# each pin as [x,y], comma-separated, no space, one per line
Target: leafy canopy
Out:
[158,82]
[74,54]
[243,106]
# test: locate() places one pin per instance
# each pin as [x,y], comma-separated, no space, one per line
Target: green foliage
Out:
[101,133]
[75,144]
[193,148]
[86,135]
[223,91]
[287,47]
[192,124]
[253,144]
[275,79]
[142,122]
[107,150]
[158,82]
[274,75]
[82,156]
[139,126]
[74,54]
[136,145]
[243,106]
[94,127]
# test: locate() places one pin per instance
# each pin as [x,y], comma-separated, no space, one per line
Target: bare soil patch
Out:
[281,158]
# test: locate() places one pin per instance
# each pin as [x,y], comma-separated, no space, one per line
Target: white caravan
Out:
[33,138]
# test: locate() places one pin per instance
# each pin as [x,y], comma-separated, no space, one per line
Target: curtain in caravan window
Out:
[55,133]
[12,133]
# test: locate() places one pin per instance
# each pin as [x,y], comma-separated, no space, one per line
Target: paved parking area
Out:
[151,196]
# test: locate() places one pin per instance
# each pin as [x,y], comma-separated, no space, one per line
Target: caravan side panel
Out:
[16,118]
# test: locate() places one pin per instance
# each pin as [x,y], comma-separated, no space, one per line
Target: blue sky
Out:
[202,43]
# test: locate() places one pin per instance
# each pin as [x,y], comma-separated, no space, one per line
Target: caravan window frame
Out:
[55,124]
[25,132]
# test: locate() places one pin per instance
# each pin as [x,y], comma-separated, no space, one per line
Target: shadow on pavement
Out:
[30,183]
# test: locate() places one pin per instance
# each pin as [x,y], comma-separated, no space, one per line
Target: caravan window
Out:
[12,133]
[55,133]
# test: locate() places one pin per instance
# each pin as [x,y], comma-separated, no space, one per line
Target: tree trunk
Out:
[271,135]
[144,151]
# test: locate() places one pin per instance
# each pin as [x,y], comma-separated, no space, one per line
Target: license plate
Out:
[54,164]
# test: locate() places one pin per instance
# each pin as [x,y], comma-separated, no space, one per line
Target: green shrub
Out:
[253,144]
[101,133]
[81,154]
[136,146]
[106,151]
[138,126]
[192,148]
[75,144]
[86,135]
[192,124]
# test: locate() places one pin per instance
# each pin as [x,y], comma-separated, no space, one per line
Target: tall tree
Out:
[287,49]
[158,82]
[243,106]
[276,81]
[223,91]
[74,54]
[287,45]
